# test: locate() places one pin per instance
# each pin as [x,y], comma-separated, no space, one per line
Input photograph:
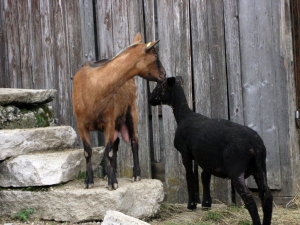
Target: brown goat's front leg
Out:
[111,154]
[89,180]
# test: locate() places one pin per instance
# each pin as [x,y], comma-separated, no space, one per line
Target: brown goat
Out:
[104,98]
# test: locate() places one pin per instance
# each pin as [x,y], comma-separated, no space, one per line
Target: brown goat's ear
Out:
[150,45]
[137,38]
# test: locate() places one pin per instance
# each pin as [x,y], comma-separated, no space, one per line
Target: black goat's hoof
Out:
[205,208]
[110,187]
[192,206]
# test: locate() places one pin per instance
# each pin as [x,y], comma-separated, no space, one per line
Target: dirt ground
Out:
[177,214]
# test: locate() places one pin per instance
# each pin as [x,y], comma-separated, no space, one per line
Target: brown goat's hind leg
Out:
[89,180]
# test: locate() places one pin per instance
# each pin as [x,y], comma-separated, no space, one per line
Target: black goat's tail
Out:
[264,190]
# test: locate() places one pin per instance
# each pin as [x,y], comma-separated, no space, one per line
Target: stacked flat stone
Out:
[42,159]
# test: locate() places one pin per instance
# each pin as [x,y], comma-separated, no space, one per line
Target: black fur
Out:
[220,147]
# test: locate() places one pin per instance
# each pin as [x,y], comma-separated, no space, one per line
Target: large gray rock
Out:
[22,141]
[45,168]
[73,203]
[118,218]
[12,96]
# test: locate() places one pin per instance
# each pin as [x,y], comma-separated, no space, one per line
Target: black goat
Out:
[220,147]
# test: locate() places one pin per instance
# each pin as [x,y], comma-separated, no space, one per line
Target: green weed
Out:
[23,214]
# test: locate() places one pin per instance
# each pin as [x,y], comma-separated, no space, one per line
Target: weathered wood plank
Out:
[121,40]
[135,25]
[259,79]
[87,30]
[13,51]
[172,51]
[233,64]
[200,56]
[285,98]
[61,69]
[75,56]
[25,57]
[218,82]
[4,76]
[47,43]
[105,29]
[36,50]
[149,10]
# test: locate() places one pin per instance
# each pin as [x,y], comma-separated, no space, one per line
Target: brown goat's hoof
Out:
[138,178]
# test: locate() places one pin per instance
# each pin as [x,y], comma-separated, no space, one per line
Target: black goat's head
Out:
[162,93]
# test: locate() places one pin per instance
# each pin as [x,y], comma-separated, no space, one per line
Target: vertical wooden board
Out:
[200,57]
[182,51]
[105,29]
[4,76]
[75,57]
[135,25]
[259,80]
[13,51]
[87,30]
[285,98]
[149,11]
[218,82]
[36,50]
[47,43]
[172,158]
[88,47]
[25,57]
[120,41]
[200,60]
[233,63]
[62,68]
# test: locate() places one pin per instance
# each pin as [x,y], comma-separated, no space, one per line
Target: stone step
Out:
[115,217]
[70,202]
[47,168]
[13,96]
[22,141]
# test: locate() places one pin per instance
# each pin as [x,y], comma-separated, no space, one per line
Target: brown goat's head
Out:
[149,65]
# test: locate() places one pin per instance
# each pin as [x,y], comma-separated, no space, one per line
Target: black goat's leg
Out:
[206,198]
[188,164]
[109,153]
[265,197]
[115,154]
[244,192]
[89,180]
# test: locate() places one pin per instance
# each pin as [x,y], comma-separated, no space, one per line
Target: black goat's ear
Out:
[171,81]
[179,80]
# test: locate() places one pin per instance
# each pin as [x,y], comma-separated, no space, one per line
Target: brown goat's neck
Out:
[116,73]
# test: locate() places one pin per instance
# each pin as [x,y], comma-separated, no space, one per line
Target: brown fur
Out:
[104,97]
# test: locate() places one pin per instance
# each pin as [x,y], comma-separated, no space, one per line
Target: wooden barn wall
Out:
[235,57]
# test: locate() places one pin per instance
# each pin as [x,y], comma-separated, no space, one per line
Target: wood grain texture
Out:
[13,50]
[4,75]
[259,92]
